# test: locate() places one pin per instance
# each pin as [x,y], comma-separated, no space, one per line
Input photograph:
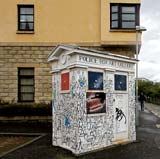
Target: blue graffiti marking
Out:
[81,82]
[67,122]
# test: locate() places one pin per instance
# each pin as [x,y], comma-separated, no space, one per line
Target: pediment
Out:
[60,50]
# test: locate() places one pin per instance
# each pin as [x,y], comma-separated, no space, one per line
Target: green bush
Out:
[18,109]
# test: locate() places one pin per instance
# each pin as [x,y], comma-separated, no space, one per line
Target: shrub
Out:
[18,109]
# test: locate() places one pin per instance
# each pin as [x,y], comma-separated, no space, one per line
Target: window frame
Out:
[19,84]
[119,12]
[19,6]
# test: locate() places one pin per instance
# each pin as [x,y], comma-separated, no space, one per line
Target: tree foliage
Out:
[150,89]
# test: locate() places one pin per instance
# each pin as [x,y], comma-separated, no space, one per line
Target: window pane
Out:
[26,18]
[22,18]
[26,10]
[27,97]
[120,82]
[95,81]
[114,9]
[27,89]
[114,24]
[30,26]
[26,26]
[128,25]
[22,26]
[115,16]
[27,81]
[128,9]
[28,71]
[128,17]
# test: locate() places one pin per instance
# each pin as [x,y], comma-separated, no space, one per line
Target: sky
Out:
[149,65]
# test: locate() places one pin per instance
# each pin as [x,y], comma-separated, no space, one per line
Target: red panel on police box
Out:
[65,81]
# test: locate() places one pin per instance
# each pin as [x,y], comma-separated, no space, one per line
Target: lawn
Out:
[8,143]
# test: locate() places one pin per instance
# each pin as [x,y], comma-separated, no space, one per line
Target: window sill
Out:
[25,32]
[122,30]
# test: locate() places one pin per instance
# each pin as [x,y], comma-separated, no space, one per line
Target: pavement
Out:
[147,145]
[155,109]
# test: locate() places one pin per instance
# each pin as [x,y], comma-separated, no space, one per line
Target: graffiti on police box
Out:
[73,127]
[120,115]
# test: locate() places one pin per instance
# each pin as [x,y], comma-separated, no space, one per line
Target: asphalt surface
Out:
[146,147]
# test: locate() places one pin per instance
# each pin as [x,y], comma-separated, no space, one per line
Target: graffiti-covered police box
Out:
[93,98]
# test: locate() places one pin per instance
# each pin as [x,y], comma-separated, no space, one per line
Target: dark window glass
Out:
[26,17]
[114,24]
[128,17]
[95,81]
[114,9]
[120,82]
[115,16]
[25,84]
[128,9]
[124,16]
[128,25]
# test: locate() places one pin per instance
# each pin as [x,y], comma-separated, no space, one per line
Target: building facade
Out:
[31,29]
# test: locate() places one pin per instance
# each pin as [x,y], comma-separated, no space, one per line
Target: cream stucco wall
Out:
[55,21]
[64,21]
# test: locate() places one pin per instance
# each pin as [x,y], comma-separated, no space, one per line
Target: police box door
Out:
[120,106]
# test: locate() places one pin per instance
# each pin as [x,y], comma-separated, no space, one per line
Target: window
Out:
[95,102]
[124,16]
[26,17]
[65,81]
[120,82]
[95,80]
[95,97]
[25,84]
